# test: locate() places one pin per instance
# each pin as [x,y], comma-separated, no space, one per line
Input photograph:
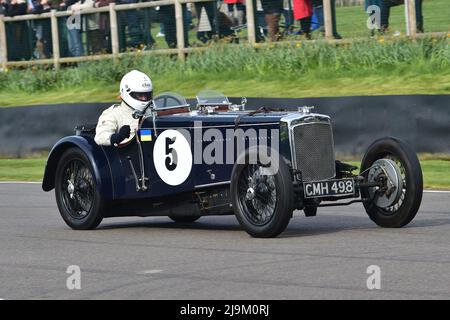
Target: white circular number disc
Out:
[172,157]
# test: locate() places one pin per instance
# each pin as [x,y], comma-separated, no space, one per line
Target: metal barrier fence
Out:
[112,30]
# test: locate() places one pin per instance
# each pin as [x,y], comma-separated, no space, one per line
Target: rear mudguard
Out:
[94,153]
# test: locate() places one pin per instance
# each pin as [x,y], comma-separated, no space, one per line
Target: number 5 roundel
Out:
[172,157]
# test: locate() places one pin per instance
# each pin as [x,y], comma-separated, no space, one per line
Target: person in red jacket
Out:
[303,11]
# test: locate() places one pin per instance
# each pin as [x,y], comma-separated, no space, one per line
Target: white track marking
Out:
[20,182]
[436,191]
[151,271]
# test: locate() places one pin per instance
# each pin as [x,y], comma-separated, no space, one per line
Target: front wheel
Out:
[262,200]
[77,196]
[395,166]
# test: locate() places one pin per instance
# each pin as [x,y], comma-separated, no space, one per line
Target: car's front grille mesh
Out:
[314,150]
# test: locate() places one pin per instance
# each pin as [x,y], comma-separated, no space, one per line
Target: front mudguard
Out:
[96,156]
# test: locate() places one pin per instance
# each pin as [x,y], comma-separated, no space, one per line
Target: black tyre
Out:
[397,155]
[263,204]
[77,196]
[184,219]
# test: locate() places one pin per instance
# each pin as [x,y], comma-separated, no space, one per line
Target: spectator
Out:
[225,27]
[129,25]
[95,25]
[273,10]
[167,17]
[238,18]
[18,33]
[260,22]
[99,38]
[148,40]
[42,28]
[386,8]
[74,28]
[318,11]
[62,31]
[377,3]
[303,11]
[91,26]
[206,21]
[288,15]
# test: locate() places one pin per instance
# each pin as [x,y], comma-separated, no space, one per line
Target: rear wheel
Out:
[395,165]
[263,203]
[77,196]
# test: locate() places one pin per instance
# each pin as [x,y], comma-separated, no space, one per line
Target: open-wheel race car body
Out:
[190,162]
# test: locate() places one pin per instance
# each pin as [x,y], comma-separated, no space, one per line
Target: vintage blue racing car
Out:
[218,158]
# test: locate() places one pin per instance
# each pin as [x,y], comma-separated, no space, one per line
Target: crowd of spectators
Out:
[90,34]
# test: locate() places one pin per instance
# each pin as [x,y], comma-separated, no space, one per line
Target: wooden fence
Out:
[181,50]
[348,3]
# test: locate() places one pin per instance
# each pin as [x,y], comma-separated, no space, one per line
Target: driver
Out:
[118,123]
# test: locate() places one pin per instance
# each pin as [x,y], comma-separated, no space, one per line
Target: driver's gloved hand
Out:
[124,133]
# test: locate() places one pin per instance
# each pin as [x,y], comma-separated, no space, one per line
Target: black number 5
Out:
[171,155]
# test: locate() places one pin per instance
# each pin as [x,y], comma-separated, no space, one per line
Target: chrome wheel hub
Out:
[388,170]
[70,189]
[257,194]
[250,194]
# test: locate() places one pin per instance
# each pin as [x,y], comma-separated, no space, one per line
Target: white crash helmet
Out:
[136,90]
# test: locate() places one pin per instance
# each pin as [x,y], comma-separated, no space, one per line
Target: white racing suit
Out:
[111,120]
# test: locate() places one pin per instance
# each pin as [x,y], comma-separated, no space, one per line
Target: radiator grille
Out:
[314,151]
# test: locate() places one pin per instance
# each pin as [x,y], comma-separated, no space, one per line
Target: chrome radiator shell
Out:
[312,146]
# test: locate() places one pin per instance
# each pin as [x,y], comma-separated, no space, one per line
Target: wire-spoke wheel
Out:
[77,197]
[77,187]
[257,195]
[262,201]
[393,163]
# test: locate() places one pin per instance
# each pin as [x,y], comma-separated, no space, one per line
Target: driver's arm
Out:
[107,126]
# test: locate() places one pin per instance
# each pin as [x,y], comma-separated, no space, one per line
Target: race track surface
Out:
[323,257]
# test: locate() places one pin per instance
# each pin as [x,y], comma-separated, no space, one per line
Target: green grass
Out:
[306,87]
[351,21]
[436,172]
[371,67]
[22,169]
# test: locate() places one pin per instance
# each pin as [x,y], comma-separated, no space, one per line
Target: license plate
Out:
[329,188]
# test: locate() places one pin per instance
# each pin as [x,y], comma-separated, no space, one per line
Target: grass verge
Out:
[372,67]
[436,172]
